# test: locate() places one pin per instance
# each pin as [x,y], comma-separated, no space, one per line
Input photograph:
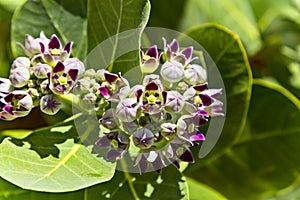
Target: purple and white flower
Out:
[15,104]
[115,87]
[53,51]
[19,77]
[150,59]
[62,80]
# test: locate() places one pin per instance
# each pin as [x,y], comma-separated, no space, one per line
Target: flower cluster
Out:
[160,118]
[37,80]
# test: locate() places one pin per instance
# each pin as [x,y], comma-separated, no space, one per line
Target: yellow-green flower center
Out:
[55,52]
[62,80]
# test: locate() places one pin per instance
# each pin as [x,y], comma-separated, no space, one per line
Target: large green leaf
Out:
[47,15]
[266,157]
[49,160]
[107,20]
[11,192]
[226,50]
[168,186]
[201,191]
[234,14]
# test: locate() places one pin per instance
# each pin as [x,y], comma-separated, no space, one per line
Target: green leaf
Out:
[106,22]
[52,18]
[48,160]
[160,13]
[198,190]
[234,14]
[168,186]
[228,53]
[266,157]
[11,192]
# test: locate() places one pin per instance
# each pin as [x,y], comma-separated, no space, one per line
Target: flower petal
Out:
[54,43]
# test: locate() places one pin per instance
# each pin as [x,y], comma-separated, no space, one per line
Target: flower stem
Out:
[129,180]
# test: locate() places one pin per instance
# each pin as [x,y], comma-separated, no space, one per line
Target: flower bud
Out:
[143,138]
[21,62]
[74,63]
[174,102]
[195,74]
[49,104]
[172,71]
[126,110]
[109,119]
[168,129]
[5,85]
[19,77]
[41,70]
[91,73]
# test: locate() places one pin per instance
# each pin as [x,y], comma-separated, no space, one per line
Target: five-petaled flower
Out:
[150,59]
[53,52]
[62,80]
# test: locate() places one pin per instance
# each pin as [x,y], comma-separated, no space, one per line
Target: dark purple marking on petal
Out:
[64,75]
[69,82]
[103,142]
[8,109]
[73,73]
[152,86]
[42,47]
[203,113]
[147,94]
[54,43]
[145,102]
[55,76]
[164,94]
[188,52]
[202,121]
[156,94]
[63,88]
[138,94]
[68,47]
[158,102]
[187,156]
[9,97]
[206,100]
[201,87]
[174,46]
[104,91]
[152,51]
[198,137]
[112,154]
[59,67]
[174,162]
[55,84]
[109,77]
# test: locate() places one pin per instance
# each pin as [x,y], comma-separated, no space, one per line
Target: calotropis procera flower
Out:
[174,102]
[53,51]
[115,87]
[172,52]
[153,158]
[109,119]
[172,71]
[199,99]
[151,97]
[62,80]
[150,59]
[32,45]
[143,138]
[15,104]
[49,104]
